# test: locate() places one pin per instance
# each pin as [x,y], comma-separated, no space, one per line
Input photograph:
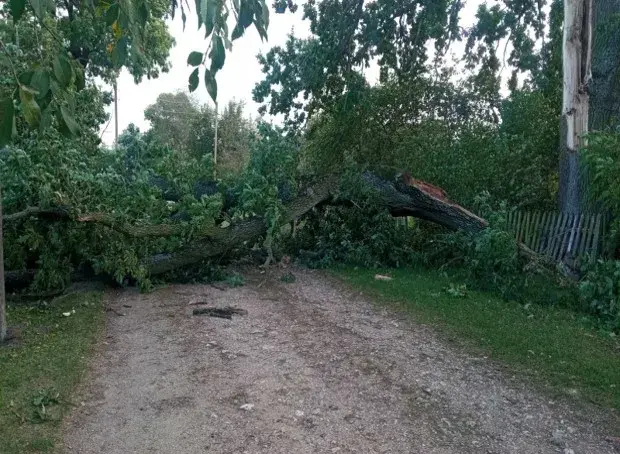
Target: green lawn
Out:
[40,370]
[552,347]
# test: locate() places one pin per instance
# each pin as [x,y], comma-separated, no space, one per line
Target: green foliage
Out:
[43,400]
[456,290]
[602,158]
[346,35]
[353,236]
[102,38]
[214,16]
[599,291]
[490,260]
[57,171]
[436,131]
[269,180]
[49,48]
[178,122]
[356,235]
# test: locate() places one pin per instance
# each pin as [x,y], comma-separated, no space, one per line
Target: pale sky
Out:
[235,81]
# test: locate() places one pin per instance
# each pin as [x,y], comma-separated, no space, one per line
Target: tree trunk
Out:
[605,86]
[400,198]
[2,295]
[576,56]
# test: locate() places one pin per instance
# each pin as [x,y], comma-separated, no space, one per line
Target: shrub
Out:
[599,291]
[602,157]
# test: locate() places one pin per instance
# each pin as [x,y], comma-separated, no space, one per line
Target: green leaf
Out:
[40,81]
[30,108]
[80,80]
[54,87]
[7,118]
[261,18]
[143,13]
[68,125]
[211,84]
[195,58]
[46,119]
[38,6]
[119,53]
[111,15]
[124,20]
[183,17]
[46,100]
[261,30]
[265,13]
[227,43]
[199,11]
[217,54]
[237,32]
[62,70]
[193,80]
[246,15]
[207,12]
[236,5]
[17,8]
[25,77]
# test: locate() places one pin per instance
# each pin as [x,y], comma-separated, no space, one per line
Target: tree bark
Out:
[3,329]
[576,54]
[605,86]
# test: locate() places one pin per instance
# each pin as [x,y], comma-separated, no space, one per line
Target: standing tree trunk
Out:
[2,296]
[605,87]
[576,62]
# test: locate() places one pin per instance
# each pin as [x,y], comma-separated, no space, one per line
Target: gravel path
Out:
[311,368]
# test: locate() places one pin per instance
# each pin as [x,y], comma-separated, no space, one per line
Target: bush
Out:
[599,291]
[490,260]
[602,157]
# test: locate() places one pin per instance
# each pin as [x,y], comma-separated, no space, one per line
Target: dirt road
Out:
[311,368]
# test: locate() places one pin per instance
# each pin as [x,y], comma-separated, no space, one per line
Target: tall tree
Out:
[577,74]
[306,76]
[234,131]
[605,85]
[178,122]
[171,117]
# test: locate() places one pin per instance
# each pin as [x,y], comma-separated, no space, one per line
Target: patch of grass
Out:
[235,280]
[554,347]
[288,278]
[42,367]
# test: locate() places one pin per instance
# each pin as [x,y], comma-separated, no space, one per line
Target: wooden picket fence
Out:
[559,235]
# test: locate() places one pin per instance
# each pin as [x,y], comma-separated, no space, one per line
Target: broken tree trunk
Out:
[400,198]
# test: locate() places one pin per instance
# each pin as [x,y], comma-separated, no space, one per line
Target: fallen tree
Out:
[402,197]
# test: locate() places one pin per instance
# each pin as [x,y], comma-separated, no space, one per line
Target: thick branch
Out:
[410,200]
[224,240]
[402,198]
